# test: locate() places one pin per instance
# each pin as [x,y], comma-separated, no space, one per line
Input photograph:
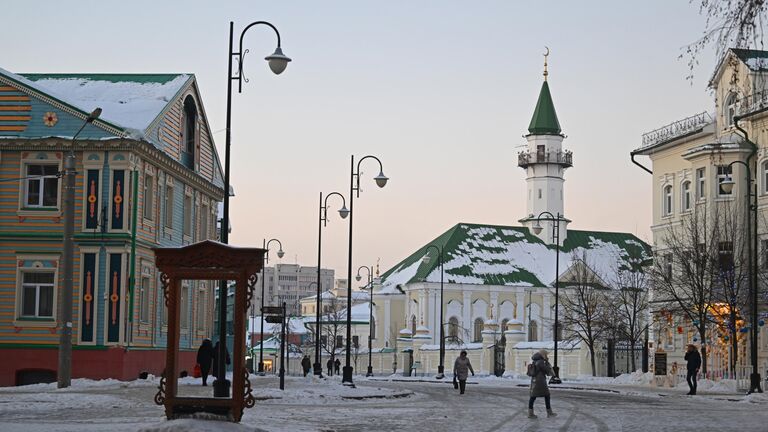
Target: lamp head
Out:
[280,253]
[277,61]
[344,212]
[93,115]
[358,277]
[426,259]
[381,179]
[727,184]
[537,228]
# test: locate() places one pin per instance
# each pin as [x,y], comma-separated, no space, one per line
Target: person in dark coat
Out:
[329,366]
[693,358]
[337,366]
[215,358]
[205,359]
[539,386]
[306,364]
[461,369]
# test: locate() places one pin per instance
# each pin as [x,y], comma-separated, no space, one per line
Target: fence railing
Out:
[676,129]
[526,158]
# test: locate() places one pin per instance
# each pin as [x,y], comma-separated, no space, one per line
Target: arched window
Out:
[686,196]
[373,328]
[666,203]
[478,330]
[188,155]
[453,329]
[730,108]
[533,331]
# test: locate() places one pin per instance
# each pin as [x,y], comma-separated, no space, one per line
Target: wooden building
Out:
[147,176]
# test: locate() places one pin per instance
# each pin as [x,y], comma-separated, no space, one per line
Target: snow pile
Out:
[314,391]
[709,386]
[634,378]
[197,425]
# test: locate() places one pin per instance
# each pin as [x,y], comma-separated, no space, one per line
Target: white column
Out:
[495,305]
[422,308]
[466,311]
[546,321]
[432,306]
[521,310]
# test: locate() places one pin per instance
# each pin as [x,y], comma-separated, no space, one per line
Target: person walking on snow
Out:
[306,363]
[205,358]
[693,358]
[337,366]
[461,369]
[329,365]
[539,387]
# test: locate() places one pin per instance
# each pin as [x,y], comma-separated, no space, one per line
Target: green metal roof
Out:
[544,120]
[113,78]
[507,255]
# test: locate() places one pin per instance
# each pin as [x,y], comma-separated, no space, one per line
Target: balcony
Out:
[526,158]
[675,130]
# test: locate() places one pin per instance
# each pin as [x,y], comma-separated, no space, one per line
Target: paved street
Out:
[488,406]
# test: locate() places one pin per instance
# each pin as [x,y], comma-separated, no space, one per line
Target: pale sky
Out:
[441,91]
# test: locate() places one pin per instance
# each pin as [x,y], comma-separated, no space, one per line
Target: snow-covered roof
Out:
[506,255]
[295,326]
[131,101]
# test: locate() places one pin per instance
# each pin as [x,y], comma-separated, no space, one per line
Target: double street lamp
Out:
[354,186]
[369,373]
[555,220]
[441,366]
[277,63]
[280,254]
[343,212]
[727,185]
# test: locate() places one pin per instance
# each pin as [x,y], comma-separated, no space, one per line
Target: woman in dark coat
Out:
[215,358]
[461,369]
[205,359]
[539,386]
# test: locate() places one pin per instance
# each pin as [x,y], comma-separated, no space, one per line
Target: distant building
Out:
[290,283]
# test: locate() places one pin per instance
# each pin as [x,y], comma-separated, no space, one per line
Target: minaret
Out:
[545,162]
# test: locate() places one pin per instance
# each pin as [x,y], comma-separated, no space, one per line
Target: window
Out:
[413,325]
[187,215]
[453,329]
[765,176]
[559,330]
[42,189]
[201,303]
[533,331]
[149,197]
[700,183]
[731,103]
[668,266]
[725,256]
[144,300]
[723,173]
[37,294]
[183,307]
[373,328]
[764,254]
[204,223]
[478,333]
[169,206]
[190,133]
[355,342]
[667,201]
[539,193]
[686,196]
[339,341]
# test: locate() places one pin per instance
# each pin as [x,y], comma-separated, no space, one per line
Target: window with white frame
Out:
[686,196]
[187,215]
[204,222]
[149,196]
[144,299]
[764,169]
[723,173]
[730,108]
[41,188]
[533,331]
[169,206]
[183,307]
[666,205]
[478,330]
[37,289]
[701,180]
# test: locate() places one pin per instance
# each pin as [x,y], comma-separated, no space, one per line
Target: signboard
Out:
[273,310]
[274,319]
[660,363]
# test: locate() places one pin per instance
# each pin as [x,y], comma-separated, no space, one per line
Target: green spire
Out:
[544,121]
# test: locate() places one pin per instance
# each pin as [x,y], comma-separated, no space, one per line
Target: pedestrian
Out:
[693,358]
[337,366]
[215,359]
[540,370]
[205,359]
[306,364]
[329,365]
[461,369]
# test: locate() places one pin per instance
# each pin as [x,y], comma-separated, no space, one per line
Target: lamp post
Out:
[368,373]
[441,366]
[64,378]
[727,185]
[556,238]
[277,63]
[354,186]
[343,212]
[280,254]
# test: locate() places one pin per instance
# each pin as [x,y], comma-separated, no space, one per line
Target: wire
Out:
[58,175]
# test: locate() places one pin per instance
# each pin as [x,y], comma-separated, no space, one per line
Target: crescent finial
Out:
[545,63]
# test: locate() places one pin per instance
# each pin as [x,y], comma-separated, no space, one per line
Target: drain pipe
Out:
[632,157]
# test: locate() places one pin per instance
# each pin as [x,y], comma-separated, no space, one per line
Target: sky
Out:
[441,91]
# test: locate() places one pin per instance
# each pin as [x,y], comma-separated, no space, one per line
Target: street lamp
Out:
[343,212]
[369,373]
[441,366]
[65,336]
[556,238]
[277,63]
[354,186]
[280,254]
[727,185]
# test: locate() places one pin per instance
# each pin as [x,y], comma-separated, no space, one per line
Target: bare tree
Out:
[729,24]
[583,300]
[630,300]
